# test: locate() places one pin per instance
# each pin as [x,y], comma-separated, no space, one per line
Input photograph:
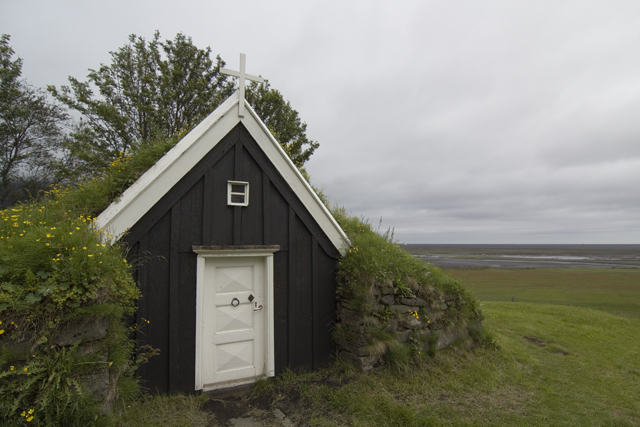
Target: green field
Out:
[566,353]
[615,291]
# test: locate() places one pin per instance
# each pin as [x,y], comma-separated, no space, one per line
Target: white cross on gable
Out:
[242,76]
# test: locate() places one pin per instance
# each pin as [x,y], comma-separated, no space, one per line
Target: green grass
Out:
[615,291]
[552,364]
[555,365]
[584,364]
[166,411]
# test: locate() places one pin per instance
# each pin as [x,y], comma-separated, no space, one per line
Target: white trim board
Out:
[136,201]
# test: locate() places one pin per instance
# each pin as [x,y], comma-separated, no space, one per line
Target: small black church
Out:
[235,256]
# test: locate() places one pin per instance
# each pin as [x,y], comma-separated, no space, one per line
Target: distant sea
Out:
[528,256]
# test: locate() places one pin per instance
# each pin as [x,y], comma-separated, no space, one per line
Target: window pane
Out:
[238,188]
[237,198]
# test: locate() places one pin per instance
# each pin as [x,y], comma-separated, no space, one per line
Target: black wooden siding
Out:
[195,212]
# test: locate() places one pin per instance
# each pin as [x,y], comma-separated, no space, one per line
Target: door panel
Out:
[230,319]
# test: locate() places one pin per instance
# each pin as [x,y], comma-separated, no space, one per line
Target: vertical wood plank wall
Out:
[195,212]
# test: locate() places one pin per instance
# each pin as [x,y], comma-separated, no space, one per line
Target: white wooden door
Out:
[232,324]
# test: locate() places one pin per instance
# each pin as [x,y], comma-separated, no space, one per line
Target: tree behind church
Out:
[282,120]
[157,89]
[30,131]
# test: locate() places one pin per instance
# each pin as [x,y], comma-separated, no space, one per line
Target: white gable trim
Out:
[294,178]
[136,201]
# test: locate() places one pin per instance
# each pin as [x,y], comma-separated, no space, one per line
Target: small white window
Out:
[237,193]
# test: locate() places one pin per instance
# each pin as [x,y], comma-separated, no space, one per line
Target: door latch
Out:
[256,307]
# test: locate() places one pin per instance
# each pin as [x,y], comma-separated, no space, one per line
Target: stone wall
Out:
[429,323]
[92,333]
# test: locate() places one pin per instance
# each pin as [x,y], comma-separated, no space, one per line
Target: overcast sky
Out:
[454,122]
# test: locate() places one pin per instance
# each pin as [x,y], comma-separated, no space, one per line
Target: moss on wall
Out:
[392,307]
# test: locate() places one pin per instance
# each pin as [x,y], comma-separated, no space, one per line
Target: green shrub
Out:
[53,261]
[57,268]
[94,195]
[48,389]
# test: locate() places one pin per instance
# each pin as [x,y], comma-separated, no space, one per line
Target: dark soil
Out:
[239,403]
[226,408]
[243,402]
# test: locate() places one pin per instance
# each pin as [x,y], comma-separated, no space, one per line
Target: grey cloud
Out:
[455,122]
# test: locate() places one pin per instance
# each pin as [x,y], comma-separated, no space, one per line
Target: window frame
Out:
[231,193]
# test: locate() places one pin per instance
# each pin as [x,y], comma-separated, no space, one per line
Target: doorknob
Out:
[235,302]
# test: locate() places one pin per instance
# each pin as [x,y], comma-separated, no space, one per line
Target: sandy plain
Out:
[527,256]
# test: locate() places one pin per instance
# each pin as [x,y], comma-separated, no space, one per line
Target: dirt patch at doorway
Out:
[282,405]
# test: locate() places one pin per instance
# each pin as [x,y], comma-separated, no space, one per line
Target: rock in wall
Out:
[429,322]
